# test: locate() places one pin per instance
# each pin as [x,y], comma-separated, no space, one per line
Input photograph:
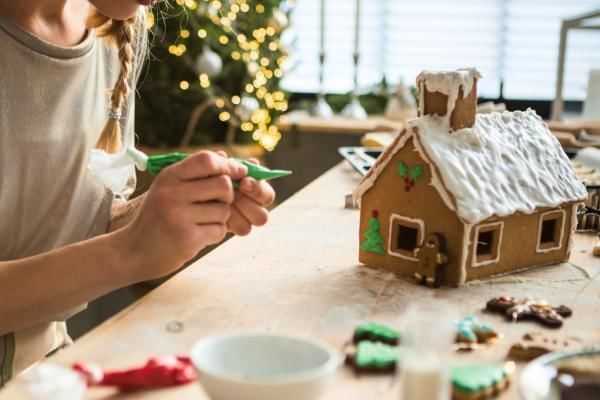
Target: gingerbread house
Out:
[496,189]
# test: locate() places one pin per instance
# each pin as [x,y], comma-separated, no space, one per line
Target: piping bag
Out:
[156,163]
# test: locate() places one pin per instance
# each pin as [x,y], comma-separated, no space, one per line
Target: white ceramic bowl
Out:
[258,366]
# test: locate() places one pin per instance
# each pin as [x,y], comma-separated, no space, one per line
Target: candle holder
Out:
[354,110]
[321,108]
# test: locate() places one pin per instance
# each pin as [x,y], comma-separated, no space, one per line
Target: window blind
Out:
[509,41]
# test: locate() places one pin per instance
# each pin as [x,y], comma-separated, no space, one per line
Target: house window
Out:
[407,237]
[406,234]
[486,249]
[551,231]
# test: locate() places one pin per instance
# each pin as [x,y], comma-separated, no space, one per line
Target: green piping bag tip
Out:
[262,173]
[156,163]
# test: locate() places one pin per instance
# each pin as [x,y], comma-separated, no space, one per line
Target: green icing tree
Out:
[373,239]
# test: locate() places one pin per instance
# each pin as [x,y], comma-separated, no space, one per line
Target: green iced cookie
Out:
[375,332]
[474,379]
[375,356]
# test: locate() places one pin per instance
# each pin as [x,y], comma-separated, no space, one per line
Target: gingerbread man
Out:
[431,258]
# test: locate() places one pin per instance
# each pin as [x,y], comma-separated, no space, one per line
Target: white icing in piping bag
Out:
[139,158]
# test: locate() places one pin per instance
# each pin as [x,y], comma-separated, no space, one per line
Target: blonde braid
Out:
[122,33]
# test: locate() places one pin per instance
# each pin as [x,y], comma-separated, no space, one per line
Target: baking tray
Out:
[361,158]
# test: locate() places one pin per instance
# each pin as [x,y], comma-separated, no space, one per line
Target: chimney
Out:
[451,95]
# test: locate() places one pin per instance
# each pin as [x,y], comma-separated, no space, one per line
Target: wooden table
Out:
[299,275]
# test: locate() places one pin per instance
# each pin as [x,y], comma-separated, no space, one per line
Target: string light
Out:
[259,49]
[177,50]
[191,4]
[150,19]
[204,81]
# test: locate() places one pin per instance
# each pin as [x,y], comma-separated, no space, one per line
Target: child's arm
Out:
[121,214]
[186,209]
[34,288]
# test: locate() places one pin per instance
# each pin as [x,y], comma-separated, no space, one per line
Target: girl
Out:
[65,238]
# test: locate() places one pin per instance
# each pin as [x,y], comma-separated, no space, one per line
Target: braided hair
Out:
[122,34]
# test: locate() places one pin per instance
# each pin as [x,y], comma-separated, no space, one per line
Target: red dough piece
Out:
[160,371]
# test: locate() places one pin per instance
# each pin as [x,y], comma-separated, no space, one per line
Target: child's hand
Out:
[187,208]
[249,205]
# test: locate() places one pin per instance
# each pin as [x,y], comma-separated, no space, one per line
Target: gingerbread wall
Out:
[422,201]
[517,248]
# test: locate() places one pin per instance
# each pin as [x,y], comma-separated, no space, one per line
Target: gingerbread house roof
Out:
[506,163]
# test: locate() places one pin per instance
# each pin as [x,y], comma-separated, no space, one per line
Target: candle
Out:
[357,28]
[322,43]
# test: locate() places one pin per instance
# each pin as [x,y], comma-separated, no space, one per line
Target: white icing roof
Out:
[508,162]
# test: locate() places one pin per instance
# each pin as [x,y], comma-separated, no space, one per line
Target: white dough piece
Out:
[48,381]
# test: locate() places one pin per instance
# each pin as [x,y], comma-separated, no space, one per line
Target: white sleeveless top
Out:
[53,105]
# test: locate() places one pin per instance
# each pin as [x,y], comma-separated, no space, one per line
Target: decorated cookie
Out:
[471,332]
[431,259]
[529,309]
[470,382]
[535,344]
[372,357]
[374,332]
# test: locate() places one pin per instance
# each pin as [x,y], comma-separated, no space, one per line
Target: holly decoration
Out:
[410,175]
[373,239]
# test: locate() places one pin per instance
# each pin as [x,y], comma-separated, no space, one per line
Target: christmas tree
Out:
[373,238]
[214,73]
